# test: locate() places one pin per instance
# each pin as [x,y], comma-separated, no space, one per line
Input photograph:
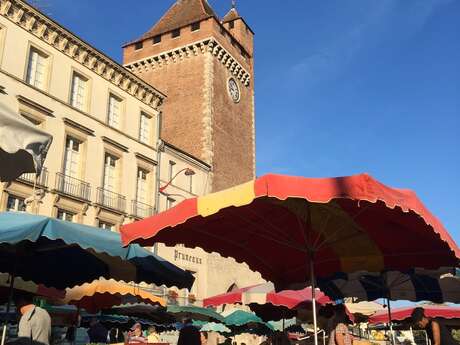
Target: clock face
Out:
[234,90]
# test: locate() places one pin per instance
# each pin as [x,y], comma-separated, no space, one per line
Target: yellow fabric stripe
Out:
[240,195]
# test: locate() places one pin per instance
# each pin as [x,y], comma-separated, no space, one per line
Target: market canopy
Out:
[23,147]
[403,313]
[195,313]
[280,224]
[61,254]
[267,303]
[104,294]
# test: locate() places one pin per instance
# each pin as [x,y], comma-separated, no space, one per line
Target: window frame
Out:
[47,73]
[87,93]
[121,115]
[149,117]
[65,213]
[175,33]
[138,45]
[195,26]
[17,202]
[156,39]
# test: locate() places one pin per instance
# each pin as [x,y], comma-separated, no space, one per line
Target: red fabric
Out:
[292,298]
[232,297]
[353,223]
[399,314]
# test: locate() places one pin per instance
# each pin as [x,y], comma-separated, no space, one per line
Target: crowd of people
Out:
[34,328]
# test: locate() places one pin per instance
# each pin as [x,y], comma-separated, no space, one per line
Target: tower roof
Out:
[182,13]
[231,15]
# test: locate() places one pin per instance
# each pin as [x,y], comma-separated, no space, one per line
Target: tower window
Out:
[138,45]
[231,24]
[222,31]
[156,39]
[175,33]
[196,26]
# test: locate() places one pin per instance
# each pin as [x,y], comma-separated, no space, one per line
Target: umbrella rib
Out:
[262,232]
[273,226]
[325,242]
[237,245]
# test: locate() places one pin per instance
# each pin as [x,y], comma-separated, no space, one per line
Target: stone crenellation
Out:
[193,49]
[52,33]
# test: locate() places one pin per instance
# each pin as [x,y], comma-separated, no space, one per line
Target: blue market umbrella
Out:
[63,254]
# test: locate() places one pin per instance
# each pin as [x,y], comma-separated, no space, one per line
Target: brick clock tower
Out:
[205,66]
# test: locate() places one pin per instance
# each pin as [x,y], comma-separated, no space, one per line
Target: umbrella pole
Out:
[392,338]
[8,307]
[313,298]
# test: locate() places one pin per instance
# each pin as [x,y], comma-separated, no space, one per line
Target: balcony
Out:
[111,200]
[141,210]
[73,187]
[29,178]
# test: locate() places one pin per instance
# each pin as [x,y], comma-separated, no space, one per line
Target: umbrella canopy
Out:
[195,313]
[363,308]
[285,227]
[23,146]
[215,327]
[399,314]
[293,229]
[103,294]
[241,318]
[62,254]
[154,313]
[28,286]
[268,304]
[416,285]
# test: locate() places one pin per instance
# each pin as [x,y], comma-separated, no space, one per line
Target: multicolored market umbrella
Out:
[104,294]
[268,304]
[292,228]
[403,313]
[241,321]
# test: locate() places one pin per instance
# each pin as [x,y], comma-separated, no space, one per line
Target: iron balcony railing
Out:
[73,186]
[111,200]
[141,210]
[42,179]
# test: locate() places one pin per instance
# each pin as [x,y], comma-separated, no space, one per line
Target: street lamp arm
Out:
[188,172]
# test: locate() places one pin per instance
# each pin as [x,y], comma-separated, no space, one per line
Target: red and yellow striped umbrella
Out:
[280,224]
[104,294]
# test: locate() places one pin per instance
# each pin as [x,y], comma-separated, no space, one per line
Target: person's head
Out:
[152,330]
[418,318]
[23,299]
[204,336]
[340,315]
[137,329]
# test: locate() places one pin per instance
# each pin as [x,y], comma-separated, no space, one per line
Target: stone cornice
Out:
[33,21]
[208,45]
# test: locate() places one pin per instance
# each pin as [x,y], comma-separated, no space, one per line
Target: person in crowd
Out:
[135,334]
[435,328]
[340,335]
[153,336]
[189,334]
[204,338]
[97,333]
[35,322]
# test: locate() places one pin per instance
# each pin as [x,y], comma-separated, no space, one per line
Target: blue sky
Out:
[342,87]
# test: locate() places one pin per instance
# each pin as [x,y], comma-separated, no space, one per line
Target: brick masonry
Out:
[199,115]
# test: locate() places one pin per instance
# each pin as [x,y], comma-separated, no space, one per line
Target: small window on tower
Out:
[231,24]
[138,45]
[222,31]
[175,33]
[157,39]
[196,26]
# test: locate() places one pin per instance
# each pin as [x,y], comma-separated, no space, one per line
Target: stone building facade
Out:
[109,157]
[205,66]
